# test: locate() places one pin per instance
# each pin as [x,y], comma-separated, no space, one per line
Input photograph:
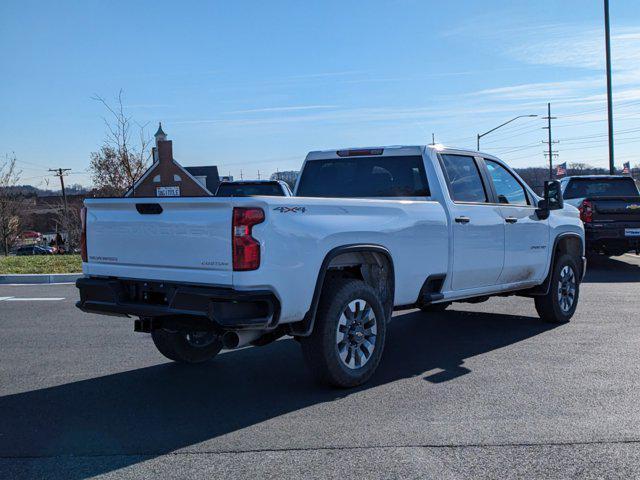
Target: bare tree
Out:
[124,155]
[9,202]
[69,222]
[580,167]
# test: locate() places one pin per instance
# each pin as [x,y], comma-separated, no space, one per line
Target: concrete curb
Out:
[29,279]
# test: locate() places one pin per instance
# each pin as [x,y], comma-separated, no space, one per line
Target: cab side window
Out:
[508,189]
[465,184]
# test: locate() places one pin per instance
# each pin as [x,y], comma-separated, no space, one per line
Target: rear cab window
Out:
[364,177]
[249,189]
[600,187]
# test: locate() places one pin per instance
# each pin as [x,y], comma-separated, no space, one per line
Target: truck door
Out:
[477,226]
[526,236]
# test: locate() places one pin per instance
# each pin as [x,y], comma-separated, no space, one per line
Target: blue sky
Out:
[255,85]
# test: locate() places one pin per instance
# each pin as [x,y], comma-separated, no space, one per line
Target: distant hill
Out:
[31,191]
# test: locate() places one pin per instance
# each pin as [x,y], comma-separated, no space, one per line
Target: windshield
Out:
[364,177]
[600,187]
[249,189]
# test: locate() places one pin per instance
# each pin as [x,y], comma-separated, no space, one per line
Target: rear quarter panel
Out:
[298,233]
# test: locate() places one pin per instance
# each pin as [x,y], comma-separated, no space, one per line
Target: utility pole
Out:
[433,139]
[607,35]
[550,142]
[60,173]
[258,174]
[240,174]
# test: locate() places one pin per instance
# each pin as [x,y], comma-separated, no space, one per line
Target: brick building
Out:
[167,178]
[42,213]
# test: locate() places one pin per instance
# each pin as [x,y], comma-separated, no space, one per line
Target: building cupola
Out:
[160,136]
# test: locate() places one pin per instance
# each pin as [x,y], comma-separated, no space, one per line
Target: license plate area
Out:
[149,293]
[632,232]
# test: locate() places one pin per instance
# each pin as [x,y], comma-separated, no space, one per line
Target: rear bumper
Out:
[609,236]
[225,308]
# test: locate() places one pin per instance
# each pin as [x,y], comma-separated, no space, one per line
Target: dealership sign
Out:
[167,191]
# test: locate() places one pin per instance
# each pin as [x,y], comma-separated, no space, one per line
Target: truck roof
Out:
[600,177]
[399,150]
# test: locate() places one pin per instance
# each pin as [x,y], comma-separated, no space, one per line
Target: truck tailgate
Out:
[181,239]
[618,209]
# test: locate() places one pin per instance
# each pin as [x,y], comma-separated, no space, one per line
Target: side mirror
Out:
[553,195]
[552,199]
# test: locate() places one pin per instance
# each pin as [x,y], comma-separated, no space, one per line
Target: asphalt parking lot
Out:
[480,391]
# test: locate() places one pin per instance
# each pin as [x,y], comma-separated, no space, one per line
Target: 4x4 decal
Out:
[291,209]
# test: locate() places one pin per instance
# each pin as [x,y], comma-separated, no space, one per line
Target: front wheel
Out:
[348,338]
[560,302]
[187,347]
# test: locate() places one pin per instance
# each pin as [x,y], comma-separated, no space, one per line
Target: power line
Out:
[506,129]
[31,163]
[619,132]
[601,141]
[618,105]
[624,116]
[529,130]
[511,148]
[520,148]
[523,156]
[623,142]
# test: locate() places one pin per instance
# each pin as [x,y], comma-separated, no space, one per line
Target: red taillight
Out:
[246,249]
[83,234]
[363,152]
[586,211]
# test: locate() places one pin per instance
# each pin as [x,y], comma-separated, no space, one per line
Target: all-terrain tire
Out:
[349,310]
[182,347]
[560,302]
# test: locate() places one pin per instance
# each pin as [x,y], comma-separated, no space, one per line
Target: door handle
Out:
[462,219]
[511,219]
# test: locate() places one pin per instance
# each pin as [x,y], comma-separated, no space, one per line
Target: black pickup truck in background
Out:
[610,209]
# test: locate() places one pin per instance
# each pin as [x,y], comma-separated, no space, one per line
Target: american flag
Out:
[626,168]
[561,169]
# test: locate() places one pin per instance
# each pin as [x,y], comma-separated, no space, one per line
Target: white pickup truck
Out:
[369,231]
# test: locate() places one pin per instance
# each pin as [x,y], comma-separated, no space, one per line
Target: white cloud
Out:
[541,90]
[284,109]
[570,47]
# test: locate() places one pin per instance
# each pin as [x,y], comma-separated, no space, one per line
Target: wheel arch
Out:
[570,243]
[371,263]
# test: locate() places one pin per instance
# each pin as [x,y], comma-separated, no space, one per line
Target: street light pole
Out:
[480,135]
[607,35]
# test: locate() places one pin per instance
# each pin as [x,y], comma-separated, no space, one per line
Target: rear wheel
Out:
[560,303]
[348,338]
[187,347]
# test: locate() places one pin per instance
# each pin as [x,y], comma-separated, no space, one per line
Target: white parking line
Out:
[14,299]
